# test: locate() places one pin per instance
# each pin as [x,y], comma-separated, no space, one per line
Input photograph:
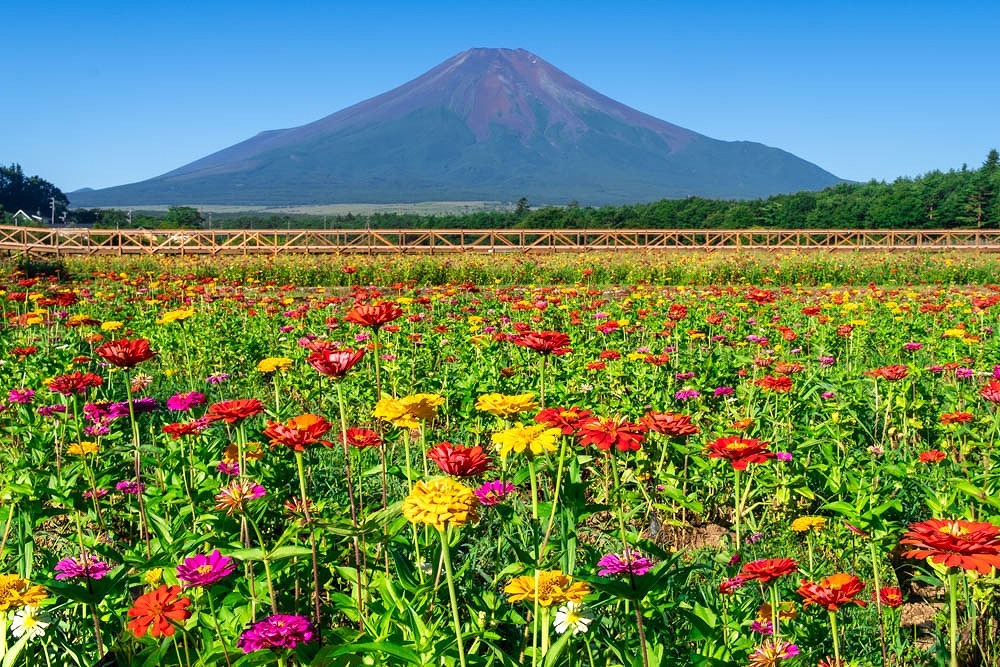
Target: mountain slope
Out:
[487,124]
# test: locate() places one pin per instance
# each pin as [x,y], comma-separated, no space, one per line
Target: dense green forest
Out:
[957,198]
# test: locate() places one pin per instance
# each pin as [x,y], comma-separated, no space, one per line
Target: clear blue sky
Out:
[106,93]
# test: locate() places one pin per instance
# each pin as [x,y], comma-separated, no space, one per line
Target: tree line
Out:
[964,198]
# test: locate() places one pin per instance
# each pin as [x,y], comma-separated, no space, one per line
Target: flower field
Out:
[628,461]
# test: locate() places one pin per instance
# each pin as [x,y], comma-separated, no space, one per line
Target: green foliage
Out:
[30,194]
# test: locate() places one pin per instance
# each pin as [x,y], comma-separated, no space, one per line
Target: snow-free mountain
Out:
[485,125]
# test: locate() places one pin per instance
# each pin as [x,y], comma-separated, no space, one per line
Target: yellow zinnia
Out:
[441,502]
[503,405]
[112,325]
[273,364]
[407,412]
[537,438]
[16,593]
[178,315]
[804,523]
[82,448]
[553,587]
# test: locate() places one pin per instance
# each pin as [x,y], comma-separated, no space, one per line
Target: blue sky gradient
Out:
[106,93]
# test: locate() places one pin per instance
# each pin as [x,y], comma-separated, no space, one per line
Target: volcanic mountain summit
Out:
[485,125]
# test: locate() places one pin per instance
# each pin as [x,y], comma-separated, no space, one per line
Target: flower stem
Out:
[450,576]
[312,538]
[738,510]
[350,496]
[836,636]
[953,615]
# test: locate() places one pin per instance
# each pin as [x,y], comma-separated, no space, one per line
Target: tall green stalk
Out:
[450,576]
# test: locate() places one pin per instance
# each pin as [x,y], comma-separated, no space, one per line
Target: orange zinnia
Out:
[767,569]
[234,410]
[125,353]
[157,611]
[970,545]
[605,432]
[832,592]
[777,383]
[669,423]
[374,316]
[891,373]
[298,432]
[739,451]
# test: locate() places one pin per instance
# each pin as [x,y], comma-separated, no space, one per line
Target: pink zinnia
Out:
[205,570]
[80,567]
[494,493]
[185,401]
[277,631]
[627,562]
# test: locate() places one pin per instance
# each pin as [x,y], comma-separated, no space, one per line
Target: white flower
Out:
[571,617]
[27,621]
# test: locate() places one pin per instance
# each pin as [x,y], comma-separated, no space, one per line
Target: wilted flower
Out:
[234,497]
[772,652]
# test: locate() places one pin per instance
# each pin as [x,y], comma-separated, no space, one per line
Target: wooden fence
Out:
[86,241]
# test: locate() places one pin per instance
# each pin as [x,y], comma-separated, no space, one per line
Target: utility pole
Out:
[52,200]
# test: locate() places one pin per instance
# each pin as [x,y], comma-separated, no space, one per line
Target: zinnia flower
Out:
[75,383]
[78,568]
[298,432]
[775,383]
[16,592]
[494,492]
[543,342]
[178,315]
[627,562]
[890,596]
[571,617]
[772,652]
[158,611]
[82,448]
[235,410]
[890,373]
[535,439]
[409,411]
[969,545]
[739,451]
[956,418]
[607,432]
[234,497]
[505,406]
[932,456]
[832,592]
[807,523]
[554,587]
[185,401]
[125,353]
[274,364]
[568,420]
[767,569]
[205,570]
[441,502]
[991,391]
[27,622]
[361,438]
[459,460]
[277,631]
[335,363]
[671,424]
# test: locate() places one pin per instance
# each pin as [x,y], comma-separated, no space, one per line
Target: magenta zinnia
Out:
[205,569]
[77,568]
[277,631]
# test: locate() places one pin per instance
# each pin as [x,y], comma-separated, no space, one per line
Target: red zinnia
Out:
[157,611]
[565,419]
[75,383]
[178,429]
[970,545]
[361,438]
[543,342]
[932,456]
[739,451]
[767,569]
[335,363]
[891,373]
[298,432]
[234,410]
[374,316]
[603,432]
[778,383]
[125,353]
[669,423]
[956,418]
[459,460]
[890,597]
[832,592]
[991,391]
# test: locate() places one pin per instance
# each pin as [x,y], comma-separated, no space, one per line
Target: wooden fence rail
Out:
[86,241]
